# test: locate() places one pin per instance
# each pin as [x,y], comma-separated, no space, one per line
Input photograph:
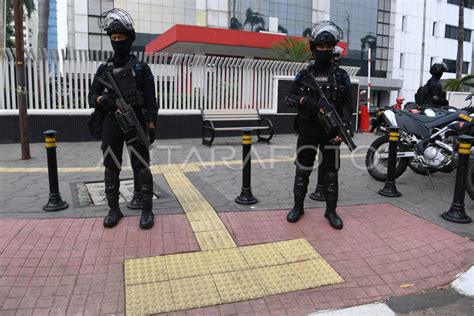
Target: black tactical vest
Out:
[126,80]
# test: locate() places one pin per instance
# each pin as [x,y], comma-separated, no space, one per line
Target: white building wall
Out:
[408,41]
[321,10]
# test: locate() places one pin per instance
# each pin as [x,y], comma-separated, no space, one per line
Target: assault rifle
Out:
[329,118]
[126,116]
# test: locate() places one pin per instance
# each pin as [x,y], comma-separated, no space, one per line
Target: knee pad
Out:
[146,179]
[111,179]
[332,181]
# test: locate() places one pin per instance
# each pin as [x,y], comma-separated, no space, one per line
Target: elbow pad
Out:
[292,100]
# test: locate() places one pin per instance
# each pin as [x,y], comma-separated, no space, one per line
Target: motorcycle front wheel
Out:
[377,167]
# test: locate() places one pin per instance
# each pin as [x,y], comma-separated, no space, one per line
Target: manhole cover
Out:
[97,194]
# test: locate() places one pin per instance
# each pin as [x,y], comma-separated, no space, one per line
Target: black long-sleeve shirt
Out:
[145,82]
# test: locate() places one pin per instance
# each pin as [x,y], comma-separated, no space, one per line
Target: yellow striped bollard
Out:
[390,188]
[457,212]
[246,197]
[55,202]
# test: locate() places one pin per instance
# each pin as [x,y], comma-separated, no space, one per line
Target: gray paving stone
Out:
[24,194]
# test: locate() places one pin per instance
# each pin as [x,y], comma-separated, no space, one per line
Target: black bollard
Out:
[390,188]
[246,197]
[457,213]
[55,203]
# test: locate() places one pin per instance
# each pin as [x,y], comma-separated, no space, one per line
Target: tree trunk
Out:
[459,58]
[2,24]
[43,17]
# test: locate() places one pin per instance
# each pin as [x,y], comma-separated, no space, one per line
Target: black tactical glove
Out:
[151,135]
[108,102]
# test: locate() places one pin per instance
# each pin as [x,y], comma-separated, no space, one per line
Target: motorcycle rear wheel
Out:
[380,174]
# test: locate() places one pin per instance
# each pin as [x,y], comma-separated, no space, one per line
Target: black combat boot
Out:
[332,189]
[112,185]
[148,218]
[320,193]
[300,188]
[136,202]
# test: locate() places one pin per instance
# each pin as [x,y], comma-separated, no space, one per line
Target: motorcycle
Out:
[427,144]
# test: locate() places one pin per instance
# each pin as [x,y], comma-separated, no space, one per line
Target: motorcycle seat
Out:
[423,118]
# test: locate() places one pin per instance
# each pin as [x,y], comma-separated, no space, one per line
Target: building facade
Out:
[390,29]
[440,40]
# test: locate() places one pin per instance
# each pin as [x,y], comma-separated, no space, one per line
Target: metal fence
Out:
[58,81]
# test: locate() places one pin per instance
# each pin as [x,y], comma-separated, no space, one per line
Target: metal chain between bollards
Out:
[390,188]
[55,202]
[246,197]
[457,212]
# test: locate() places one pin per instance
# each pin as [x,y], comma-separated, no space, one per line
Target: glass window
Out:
[452,66]
[404,23]
[402,57]
[434,29]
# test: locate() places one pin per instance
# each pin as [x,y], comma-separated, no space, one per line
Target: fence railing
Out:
[59,80]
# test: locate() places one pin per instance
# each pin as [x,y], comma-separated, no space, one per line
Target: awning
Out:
[190,39]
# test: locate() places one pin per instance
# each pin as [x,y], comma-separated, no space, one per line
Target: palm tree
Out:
[253,18]
[43,18]
[235,24]
[459,84]
[459,57]
[9,17]
[307,32]
[281,29]
[291,49]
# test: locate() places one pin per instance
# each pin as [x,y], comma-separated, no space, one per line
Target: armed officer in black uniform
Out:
[432,92]
[336,86]
[319,193]
[135,82]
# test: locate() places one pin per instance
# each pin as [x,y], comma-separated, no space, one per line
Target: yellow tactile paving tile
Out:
[296,250]
[225,260]
[215,239]
[238,286]
[185,265]
[201,206]
[207,225]
[263,255]
[145,270]
[195,292]
[150,298]
[184,195]
[279,279]
[316,273]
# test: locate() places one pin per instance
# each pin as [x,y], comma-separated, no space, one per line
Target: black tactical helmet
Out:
[117,21]
[325,32]
[438,69]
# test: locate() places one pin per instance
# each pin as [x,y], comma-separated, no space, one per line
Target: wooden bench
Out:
[210,117]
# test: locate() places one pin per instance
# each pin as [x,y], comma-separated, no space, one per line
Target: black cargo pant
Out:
[112,147]
[310,137]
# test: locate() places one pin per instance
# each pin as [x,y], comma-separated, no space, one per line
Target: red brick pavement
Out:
[75,266]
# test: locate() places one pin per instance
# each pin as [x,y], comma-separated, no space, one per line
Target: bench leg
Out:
[207,142]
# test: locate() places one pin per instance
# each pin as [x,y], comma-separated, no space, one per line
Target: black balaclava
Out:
[323,57]
[122,50]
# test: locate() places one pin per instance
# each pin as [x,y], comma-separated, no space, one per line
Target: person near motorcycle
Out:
[135,81]
[335,83]
[432,94]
